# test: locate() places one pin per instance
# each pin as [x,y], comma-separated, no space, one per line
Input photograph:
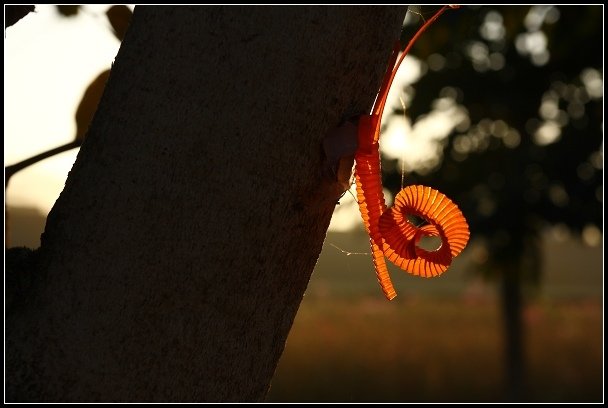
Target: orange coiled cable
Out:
[391,232]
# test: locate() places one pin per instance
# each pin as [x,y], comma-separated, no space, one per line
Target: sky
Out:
[48,62]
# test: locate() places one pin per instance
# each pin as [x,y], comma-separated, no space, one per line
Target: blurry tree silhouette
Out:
[530,153]
[14,13]
[118,17]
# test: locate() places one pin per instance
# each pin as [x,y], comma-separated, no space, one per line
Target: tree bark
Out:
[175,259]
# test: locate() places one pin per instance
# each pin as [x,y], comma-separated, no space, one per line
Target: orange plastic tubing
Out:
[391,233]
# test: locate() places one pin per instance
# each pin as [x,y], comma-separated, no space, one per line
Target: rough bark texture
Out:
[175,259]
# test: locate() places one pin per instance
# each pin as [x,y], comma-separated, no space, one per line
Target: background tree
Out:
[528,153]
[174,261]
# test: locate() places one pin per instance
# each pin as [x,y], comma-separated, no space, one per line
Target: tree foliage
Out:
[529,155]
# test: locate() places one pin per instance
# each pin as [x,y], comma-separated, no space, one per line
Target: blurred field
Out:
[440,340]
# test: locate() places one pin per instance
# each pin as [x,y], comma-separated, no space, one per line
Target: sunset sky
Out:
[48,62]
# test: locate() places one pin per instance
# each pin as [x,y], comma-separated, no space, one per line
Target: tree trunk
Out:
[174,261]
[512,306]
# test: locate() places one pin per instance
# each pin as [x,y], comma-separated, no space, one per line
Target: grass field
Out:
[440,340]
[432,350]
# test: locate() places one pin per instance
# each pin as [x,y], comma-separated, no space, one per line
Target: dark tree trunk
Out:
[175,259]
[512,307]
